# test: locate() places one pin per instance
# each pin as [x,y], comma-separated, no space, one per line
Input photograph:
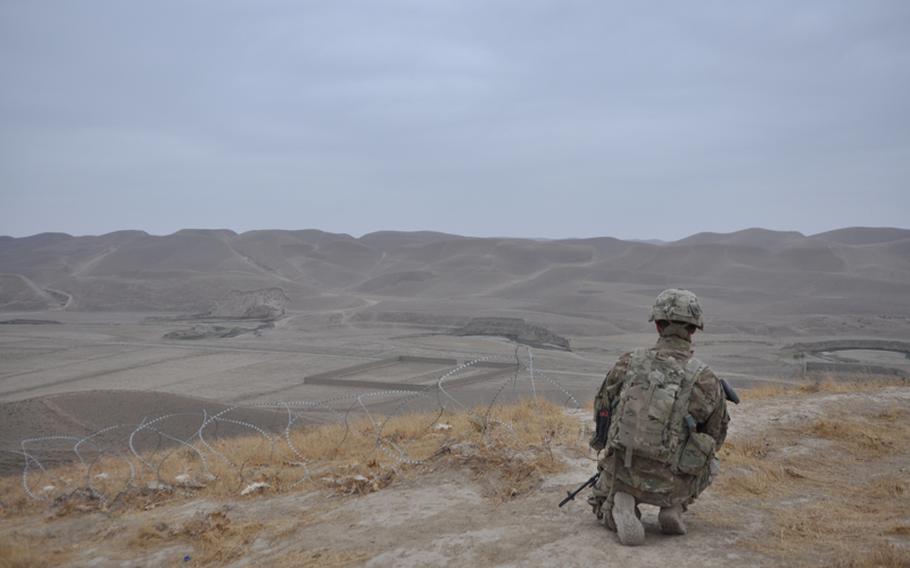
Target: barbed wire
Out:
[194,451]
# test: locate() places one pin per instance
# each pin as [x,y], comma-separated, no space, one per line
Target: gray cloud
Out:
[525,118]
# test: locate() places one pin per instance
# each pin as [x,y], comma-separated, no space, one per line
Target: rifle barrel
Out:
[570,495]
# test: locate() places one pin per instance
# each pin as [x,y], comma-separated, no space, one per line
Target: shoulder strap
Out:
[641,362]
[694,367]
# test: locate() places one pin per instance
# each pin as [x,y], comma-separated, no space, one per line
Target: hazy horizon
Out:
[492,236]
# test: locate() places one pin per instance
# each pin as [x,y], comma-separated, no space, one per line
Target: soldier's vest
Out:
[650,417]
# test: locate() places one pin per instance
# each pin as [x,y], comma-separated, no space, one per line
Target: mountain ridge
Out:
[191,268]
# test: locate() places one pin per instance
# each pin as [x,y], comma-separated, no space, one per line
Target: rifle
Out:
[729,392]
[570,495]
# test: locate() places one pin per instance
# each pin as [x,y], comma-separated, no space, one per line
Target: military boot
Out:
[628,527]
[606,515]
[670,519]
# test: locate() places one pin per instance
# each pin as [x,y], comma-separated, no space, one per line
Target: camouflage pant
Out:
[648,481]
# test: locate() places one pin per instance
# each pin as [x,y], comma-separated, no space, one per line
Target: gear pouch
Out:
[698,450]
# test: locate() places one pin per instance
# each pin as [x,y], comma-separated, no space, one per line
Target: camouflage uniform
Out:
[650,481]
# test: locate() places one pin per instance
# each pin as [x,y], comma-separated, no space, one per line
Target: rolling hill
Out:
[190,269]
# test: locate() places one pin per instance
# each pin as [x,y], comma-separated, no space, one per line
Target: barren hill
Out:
[754,237]
[190,269]
[864,235]
[18,293]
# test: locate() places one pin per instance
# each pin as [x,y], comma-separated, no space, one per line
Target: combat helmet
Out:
[677,305]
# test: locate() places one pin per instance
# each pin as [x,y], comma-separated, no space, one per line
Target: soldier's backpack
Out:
[650,417]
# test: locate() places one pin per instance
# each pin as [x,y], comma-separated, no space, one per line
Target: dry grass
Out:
[828,485]
[883,556]
[347,459]
[509,449]
[23,552]
[824,384]
[769,390]
[748,471]
[20,554]
[859,436]
[214,537]
[320,559]
[888,486]
[844,532]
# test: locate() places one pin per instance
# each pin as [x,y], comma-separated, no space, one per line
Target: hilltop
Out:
[815,476]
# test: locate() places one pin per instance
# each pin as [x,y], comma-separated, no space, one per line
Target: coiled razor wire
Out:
[198,446]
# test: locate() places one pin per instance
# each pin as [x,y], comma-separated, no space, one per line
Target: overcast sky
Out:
[507,118]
